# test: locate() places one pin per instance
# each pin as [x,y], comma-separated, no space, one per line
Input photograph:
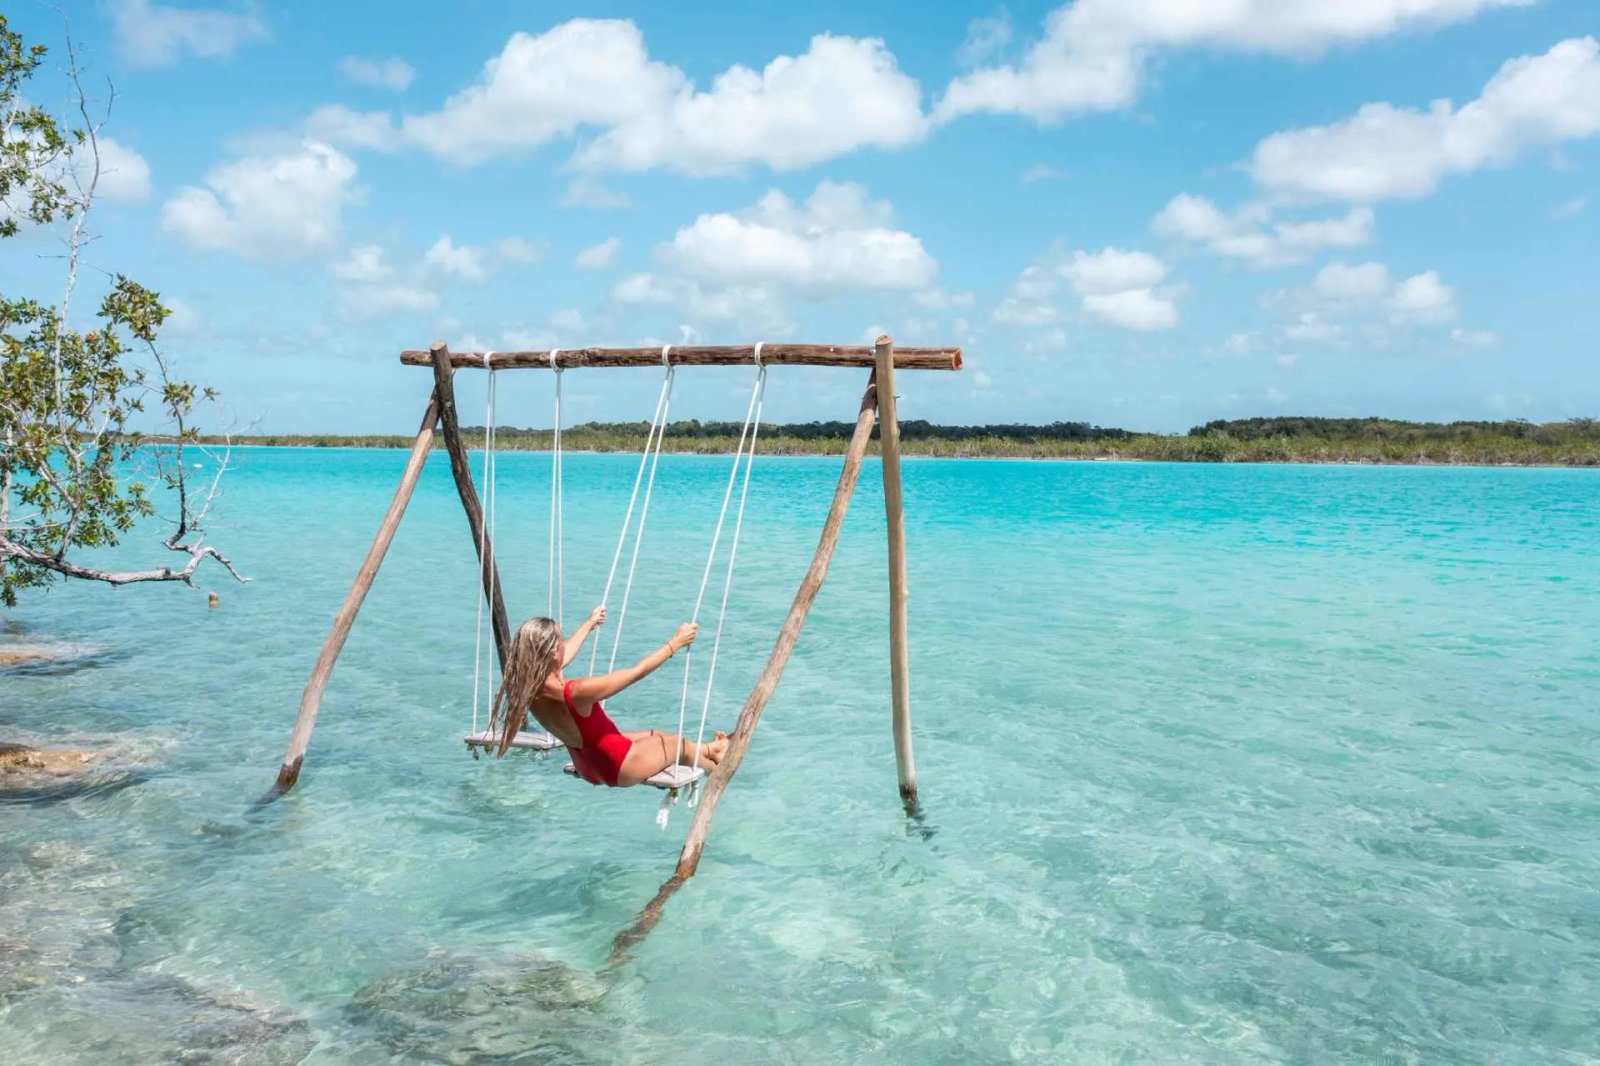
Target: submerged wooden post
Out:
[899,660]
[311,698]
[717,781]
[488,568]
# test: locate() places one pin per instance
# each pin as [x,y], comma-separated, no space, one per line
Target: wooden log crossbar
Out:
[861,356]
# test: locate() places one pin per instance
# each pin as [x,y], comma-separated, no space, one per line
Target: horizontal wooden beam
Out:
[860,356]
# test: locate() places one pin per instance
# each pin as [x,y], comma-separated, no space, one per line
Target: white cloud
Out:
[182,319]
[1474,338]
[588,191]
[459,261]
[753,308]
[1235,345]
[986,38]
[157,35]
[1139,309]
[1286,362]
[364,263]
[749,266]
[1383,151]
[1365,300]
[1276,397]
[1112,270]
[1312,328]
[390,73]
[1570,208]
[345,127]
[1114,286]
[598,256]
[937,299]
[516,250]
[370,288]
[582,72]
[124,174]
[1041,172]
[385,298]
[1032,299]
[836,240]
[1341,284]
[1422,298]
[280,205]
[1251,236]
[842,94]
[1093,53]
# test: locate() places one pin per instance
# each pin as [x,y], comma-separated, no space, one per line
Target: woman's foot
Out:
[717,748]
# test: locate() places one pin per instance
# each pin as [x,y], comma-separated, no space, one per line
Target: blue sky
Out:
[1146,214]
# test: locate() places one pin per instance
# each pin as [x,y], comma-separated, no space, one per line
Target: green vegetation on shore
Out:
[1251,440]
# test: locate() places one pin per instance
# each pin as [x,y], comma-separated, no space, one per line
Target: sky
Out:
[1140,213]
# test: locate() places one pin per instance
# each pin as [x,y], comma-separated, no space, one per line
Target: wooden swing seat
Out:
[528,740]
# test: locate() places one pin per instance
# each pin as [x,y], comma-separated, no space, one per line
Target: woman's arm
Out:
[604,686]
[581,634]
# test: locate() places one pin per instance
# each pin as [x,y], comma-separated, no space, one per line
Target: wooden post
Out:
[488,568]
[899,661]
[311,698]
[717,781]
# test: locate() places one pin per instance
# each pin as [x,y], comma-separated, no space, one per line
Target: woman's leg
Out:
[653,751]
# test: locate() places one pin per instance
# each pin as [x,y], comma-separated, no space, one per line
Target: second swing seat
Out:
[671,778]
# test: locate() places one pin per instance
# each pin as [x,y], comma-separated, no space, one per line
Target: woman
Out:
[571,709]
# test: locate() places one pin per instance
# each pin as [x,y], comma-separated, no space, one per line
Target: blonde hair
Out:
[536,652]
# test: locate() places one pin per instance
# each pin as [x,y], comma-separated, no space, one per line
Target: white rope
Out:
[556,597]
[656,423]
[483,560]
[644,509]
[733,555]
[705,579]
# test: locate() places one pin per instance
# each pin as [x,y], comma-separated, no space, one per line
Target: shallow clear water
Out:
[1220,764]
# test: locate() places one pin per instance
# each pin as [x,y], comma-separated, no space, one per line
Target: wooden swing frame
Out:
[881,358]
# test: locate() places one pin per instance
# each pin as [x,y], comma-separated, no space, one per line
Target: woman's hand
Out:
[683,637]
[597,616]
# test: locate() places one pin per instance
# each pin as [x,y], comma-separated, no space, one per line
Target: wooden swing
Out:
[879,399]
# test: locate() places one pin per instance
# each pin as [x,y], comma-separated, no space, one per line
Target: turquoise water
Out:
[1220,765]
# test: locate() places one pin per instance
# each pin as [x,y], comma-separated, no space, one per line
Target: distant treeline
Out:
[1574,430]
[911,429]
[1279,439]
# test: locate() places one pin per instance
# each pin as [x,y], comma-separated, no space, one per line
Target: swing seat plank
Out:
[528,740]
[670,778]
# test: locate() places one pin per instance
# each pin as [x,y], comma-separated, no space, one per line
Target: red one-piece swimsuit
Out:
[599,761]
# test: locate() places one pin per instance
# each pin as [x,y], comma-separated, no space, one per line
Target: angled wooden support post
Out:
[694,844]
[311,698]
[461,470]
[894,512]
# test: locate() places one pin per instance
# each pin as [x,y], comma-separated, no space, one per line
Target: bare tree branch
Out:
[196,552]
